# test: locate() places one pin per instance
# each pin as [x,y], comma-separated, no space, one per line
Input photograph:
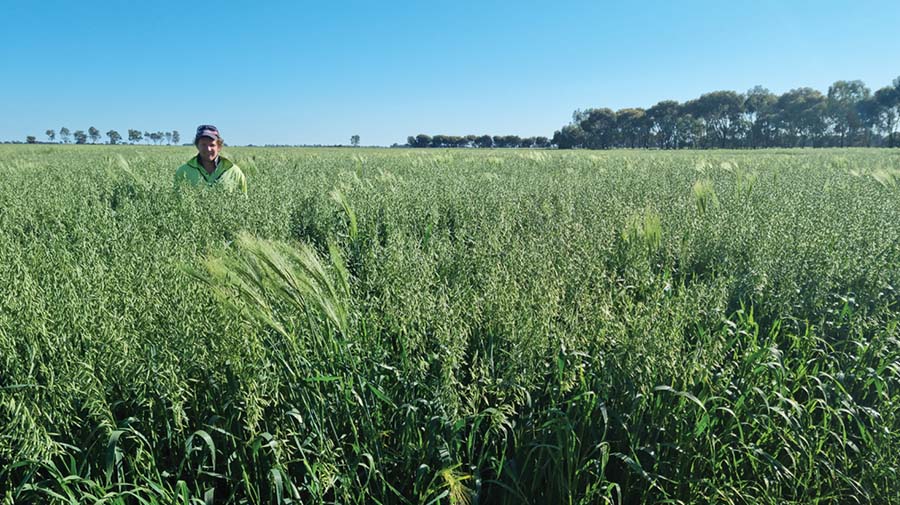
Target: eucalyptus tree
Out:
[759,111]
[801,117]
[599,127]
[93,134]
[512,140]
[663,120]
[888,100]
[569,137]
[691,132]
[720,112]
[484,141]
[868,111]
[631,127]
[843,108]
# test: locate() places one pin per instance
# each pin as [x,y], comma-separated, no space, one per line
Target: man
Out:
[208,167]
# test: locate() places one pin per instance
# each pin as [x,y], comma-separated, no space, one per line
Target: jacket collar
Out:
[222,165]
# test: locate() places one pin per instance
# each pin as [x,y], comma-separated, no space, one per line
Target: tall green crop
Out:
[450,326]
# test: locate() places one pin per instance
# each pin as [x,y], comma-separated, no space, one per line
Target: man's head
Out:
[208,142]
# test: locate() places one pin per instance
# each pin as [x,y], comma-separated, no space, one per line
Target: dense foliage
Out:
[374,326]
[849,114]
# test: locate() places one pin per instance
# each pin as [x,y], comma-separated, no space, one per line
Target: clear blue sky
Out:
[303,72]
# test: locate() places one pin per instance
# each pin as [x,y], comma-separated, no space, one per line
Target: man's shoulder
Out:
[232,176]
[230,165]
[187,170]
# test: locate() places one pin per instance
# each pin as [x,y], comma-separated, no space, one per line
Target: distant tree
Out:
[94,134]
[527,142]
[801,117]
[569,137]
[759,112]
[541,142]
[849,114]
[51,135]
[445,141]
[411,141]
[64,134]
[458,141]
[176,137]
[168,138]
[663,120]
[631,127]
[842,107]
[160,136]
[691,132]
[579,115]
[869,112]
[147,137]
[512,140]
[155,137]
[720,112]
[354,140]
[31,139]
[484,141]
[888,112]
[114,137]
[423,140]
[470,140]
[599,127]
[135,136]
[80,137]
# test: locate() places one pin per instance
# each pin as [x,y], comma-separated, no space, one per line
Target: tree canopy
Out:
[848,115]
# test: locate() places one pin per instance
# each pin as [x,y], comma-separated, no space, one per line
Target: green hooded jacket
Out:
[227,175]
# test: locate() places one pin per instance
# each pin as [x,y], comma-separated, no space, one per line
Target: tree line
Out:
[93,134]
[848,115]
[423,140]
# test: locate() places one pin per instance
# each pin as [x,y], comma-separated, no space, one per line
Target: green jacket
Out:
[227,175]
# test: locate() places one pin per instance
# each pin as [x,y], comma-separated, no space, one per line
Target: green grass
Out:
[450,326]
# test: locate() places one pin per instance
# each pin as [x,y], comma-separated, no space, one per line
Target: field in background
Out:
[396,326]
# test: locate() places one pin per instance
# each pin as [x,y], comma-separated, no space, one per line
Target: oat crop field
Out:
[450,327]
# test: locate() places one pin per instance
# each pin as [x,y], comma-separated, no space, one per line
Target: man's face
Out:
[209,148]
